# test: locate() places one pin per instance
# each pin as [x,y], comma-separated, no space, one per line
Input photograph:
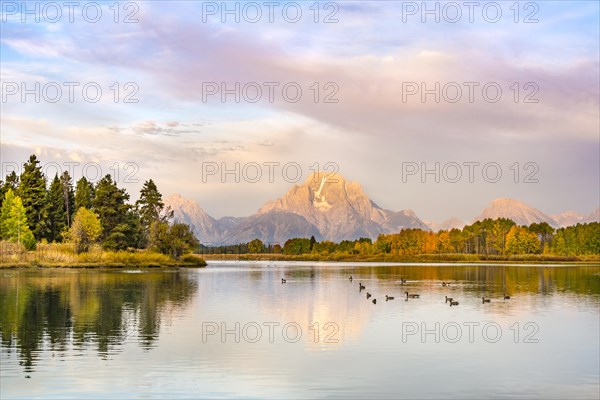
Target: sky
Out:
[439,107]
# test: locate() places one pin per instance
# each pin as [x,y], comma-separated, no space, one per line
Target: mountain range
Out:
[329,207]
[523,214]
[325,206]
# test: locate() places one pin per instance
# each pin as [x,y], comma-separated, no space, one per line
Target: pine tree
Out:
[57,213]
[84,194]
[127,234]
[32,191]
[68,196]
[150,205]
[110,205]
[12,182]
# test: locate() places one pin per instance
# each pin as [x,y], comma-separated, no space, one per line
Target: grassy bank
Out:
[423,258]
[63,256]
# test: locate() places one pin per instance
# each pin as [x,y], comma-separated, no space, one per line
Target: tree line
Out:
[33,211]
[490,237]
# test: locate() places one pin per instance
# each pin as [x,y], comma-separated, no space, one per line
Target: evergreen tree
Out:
[110,205]
[127,234]
[84,194]
[57,213]
[12,182]
[68,196]
[33,194]
[137,237]
[150,206]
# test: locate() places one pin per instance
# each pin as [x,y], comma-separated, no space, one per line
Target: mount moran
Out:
[325,206]
[328,207]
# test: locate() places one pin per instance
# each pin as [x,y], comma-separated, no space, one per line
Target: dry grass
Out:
[62,255]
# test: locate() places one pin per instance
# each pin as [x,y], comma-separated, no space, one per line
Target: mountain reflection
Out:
[104,309]
[63,311]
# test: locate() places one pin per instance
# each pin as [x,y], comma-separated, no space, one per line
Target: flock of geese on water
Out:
[450,300]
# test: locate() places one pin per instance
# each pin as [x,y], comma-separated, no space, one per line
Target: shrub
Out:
[192,259]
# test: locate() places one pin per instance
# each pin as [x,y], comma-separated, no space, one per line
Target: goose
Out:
[283,280]
[506,297]
[484,300]
[444,284]
[350,278]
[449,299]
[412,296]
[388,297]
[402,281]
[453,303]
[374,301]
[360,286]
[368,295]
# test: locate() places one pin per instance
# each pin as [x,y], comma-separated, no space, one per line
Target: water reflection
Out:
[104,308]
[118,324]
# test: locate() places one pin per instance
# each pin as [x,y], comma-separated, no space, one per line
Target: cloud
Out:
[169,129]
[369,132]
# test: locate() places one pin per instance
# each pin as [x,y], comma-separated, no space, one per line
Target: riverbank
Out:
[174,264]
[424,258]
[63,256]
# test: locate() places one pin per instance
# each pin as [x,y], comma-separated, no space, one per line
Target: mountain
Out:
[330,208]
[272,227]
[341,209]
[447,225]
[569,218]
[519,212]
[324,206]
[186,211]
[593,217]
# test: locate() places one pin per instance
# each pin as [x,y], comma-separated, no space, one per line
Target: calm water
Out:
[123,334]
